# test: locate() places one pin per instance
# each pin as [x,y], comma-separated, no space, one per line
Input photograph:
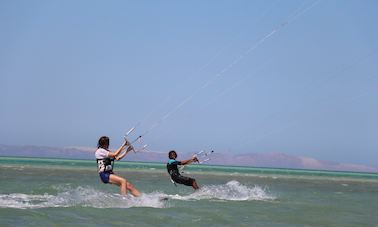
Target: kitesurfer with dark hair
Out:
[175,173]
[105,160]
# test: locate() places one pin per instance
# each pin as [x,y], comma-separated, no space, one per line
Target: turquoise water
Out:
[58,192]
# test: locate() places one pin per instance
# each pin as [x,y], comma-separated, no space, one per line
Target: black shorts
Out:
[179,179]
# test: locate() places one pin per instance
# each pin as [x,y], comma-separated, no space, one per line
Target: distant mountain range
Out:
[274,160]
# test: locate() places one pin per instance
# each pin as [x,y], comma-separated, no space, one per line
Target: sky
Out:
[298,77]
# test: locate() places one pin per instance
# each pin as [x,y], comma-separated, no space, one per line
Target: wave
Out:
[90,197]
[231,191]
[80,197]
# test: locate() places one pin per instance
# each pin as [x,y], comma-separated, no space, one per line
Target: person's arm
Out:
[189,161]
[115,154]
[119,157]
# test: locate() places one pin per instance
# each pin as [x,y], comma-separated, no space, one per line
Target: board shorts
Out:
[105,177]
[188,181]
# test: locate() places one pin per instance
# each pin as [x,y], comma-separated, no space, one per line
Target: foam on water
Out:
[80,197]
[90,197]
[232,191]
[23,201]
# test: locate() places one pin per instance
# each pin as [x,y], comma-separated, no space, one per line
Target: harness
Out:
[172,171]
[105,164]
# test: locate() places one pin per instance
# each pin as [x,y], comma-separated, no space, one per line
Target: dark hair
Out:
[171,154]
[103,142]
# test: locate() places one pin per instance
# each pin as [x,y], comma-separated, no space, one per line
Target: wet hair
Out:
[103,142]
[171,154]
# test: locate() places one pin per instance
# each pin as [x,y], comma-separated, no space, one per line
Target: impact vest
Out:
[105,164]
[172,167]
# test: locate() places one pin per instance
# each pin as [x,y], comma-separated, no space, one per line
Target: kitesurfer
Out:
[105,159]
[175,173]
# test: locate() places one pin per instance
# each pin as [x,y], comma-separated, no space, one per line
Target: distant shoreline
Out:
[260,160]
[265,170]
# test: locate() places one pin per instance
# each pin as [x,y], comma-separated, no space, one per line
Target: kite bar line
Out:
[130,131]
[203,156]
[292,17]
[138,139]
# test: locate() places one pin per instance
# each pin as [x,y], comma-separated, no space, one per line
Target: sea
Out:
[63,192]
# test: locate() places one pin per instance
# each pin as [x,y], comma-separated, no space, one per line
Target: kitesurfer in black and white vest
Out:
[105,159]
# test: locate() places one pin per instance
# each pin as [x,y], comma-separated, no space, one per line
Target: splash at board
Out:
[86,196]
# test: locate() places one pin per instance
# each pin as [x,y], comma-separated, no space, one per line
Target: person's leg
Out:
[132,189]
[195,185]
[188,181]
[124,185]
[121,182]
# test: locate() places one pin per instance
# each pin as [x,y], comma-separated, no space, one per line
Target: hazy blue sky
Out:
[299,77]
